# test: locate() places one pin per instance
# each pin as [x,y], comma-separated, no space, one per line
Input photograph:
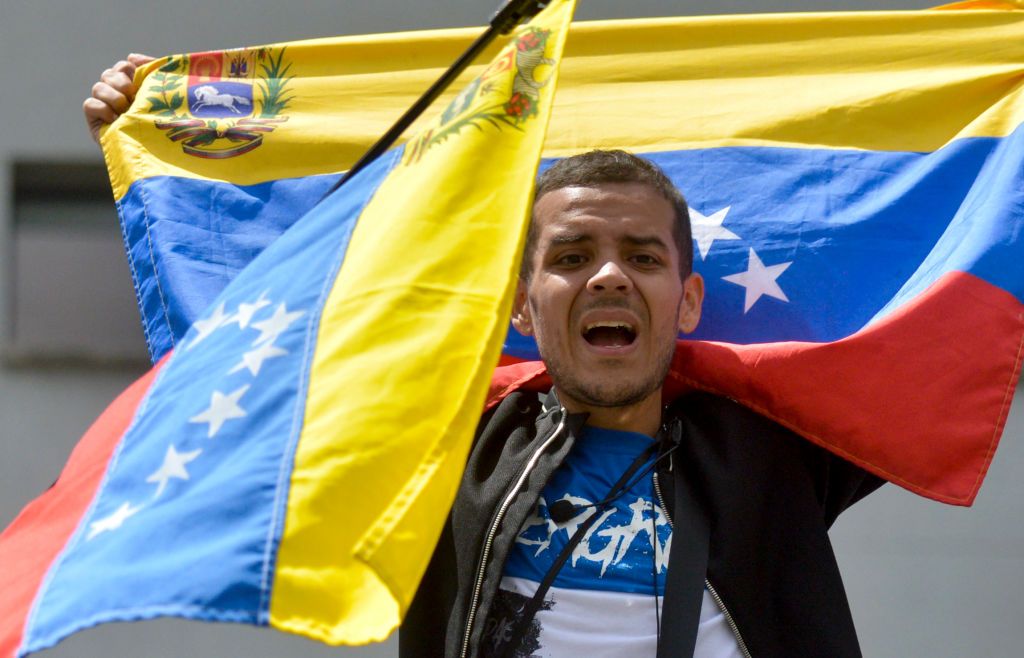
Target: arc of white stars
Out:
[276,324]
[222,409]
[708,228]
[243,316]
[173,467]
[254,358]
[205,327]
[759,280]
[113,521]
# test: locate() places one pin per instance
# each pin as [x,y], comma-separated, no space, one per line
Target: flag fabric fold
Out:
[292,461]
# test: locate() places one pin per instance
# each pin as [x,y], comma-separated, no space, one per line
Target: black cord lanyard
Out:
[625,482]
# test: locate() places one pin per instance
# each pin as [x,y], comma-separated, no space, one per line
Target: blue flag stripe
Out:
[192,490]
[845,236]
[189,238]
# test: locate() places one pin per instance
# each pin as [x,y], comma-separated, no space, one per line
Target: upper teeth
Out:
[610,325]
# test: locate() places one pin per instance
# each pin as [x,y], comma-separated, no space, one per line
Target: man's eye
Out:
[569,260]
[644,259]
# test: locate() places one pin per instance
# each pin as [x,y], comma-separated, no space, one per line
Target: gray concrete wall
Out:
[924,580]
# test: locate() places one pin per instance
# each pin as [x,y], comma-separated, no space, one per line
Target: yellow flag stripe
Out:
[409,336]
[835,80]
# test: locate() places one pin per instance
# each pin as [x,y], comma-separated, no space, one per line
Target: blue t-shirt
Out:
[605,601]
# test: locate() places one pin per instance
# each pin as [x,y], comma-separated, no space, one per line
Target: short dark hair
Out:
[599,167]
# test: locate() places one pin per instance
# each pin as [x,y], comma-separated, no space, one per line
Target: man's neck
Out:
[643,417]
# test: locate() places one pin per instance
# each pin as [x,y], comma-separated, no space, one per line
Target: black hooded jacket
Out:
[765,497]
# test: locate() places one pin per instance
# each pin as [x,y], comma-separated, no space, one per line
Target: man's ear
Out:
[693,299]
[521,319]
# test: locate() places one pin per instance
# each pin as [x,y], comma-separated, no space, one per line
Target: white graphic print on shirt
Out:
[603,601]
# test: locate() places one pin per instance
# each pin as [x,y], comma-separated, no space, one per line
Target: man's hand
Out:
[112,95]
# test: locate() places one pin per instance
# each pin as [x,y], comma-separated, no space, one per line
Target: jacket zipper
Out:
[707,583]
[493,530]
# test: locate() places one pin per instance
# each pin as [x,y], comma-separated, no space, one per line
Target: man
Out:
[600,518]
[606,286]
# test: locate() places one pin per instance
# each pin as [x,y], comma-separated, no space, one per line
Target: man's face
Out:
[605,301]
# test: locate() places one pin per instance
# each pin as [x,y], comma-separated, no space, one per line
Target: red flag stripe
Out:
[37,536]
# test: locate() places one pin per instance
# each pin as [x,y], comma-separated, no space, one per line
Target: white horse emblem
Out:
[208,96]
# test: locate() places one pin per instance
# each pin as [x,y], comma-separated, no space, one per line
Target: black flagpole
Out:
[507,18]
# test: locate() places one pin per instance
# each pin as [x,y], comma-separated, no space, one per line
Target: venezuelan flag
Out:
[855,191]
[291,462]
[854,183]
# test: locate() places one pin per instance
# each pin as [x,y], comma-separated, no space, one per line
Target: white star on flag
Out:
[205,327]
[112,522]
[173,467]
[222,409]
[276,324]
[708,228]
[243,316]
[253,359]
[759,280]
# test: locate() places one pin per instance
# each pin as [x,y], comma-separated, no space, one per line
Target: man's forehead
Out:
[627,210]
[573,196]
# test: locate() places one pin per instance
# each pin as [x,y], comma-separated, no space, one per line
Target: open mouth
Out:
[609,334]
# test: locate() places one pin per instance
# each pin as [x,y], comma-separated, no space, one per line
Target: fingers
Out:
[97,114]
[99,110]
[119,79]
[116,97]
[112,95]
[110,98]
[138,59]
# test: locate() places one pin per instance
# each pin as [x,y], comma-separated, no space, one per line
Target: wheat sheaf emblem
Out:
[489,100]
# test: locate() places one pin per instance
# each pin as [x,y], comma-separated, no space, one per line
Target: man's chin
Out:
[618,394]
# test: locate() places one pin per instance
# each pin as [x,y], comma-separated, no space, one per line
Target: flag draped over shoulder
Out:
[291,462]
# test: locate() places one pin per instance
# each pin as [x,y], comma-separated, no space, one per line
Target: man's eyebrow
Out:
[568,238]
[561,239]
[645,241]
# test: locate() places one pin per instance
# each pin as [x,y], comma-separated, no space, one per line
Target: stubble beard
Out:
[622,394]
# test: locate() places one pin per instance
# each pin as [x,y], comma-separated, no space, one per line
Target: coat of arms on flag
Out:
[493,98]
[231,99]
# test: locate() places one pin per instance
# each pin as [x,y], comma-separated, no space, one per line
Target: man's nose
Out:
[610,277]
